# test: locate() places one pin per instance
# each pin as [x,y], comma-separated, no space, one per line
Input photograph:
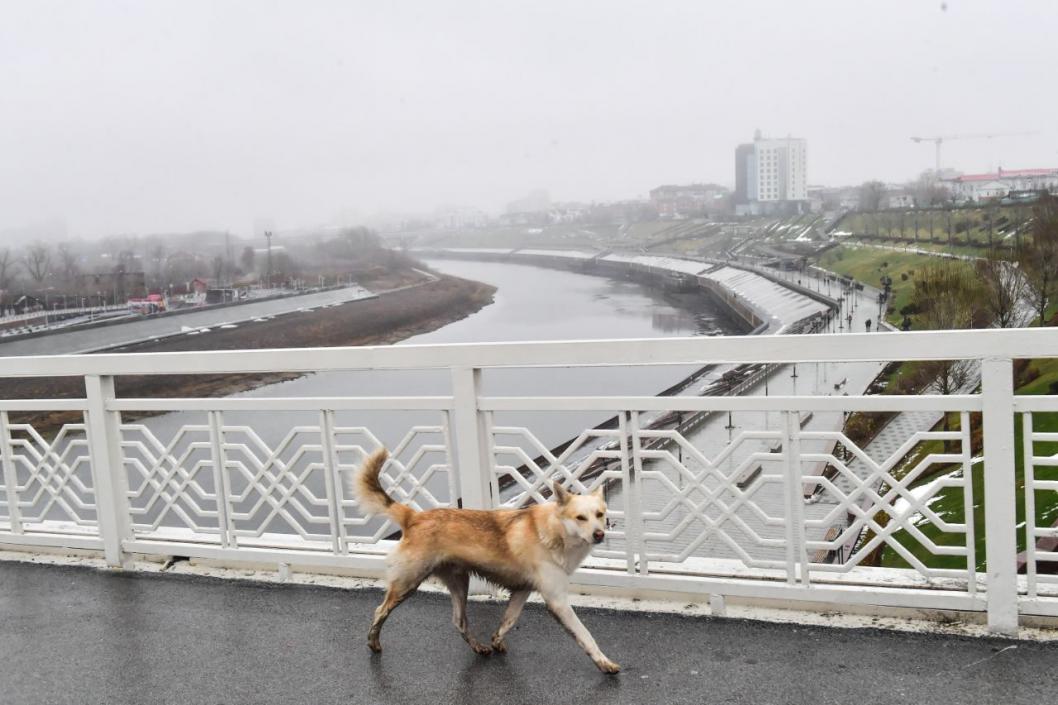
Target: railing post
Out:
[997,397]
[474,467]
[220,479]
[14,515]
[473,464]
[628,475]
[332,481]
[796,553]
[634,518]
[108,469]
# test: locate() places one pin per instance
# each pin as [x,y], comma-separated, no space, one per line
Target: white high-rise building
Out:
[771,171]
[781,173]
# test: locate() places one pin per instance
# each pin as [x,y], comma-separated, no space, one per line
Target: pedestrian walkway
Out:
[886,443]
[74,635]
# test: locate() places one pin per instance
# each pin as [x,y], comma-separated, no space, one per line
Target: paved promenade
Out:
[74,635]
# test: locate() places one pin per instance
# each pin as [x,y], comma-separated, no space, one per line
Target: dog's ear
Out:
[598,491]
[561,493]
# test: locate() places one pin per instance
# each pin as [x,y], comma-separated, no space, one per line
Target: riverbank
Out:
[387,319]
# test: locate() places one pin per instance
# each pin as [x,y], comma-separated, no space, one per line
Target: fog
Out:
[135,117]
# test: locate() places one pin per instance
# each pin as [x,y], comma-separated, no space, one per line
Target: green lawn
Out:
[962,251]
[969,226]
[868,264]
[948,502]
[649,229]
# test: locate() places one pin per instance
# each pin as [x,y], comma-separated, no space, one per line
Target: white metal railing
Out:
[72,310]
[751,516]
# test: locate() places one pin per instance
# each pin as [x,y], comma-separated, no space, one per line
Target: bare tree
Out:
[949,296]
[247,259]
[871,195]
[120,251]
[37,261]
[285,267]
[156,258]
[7,273]
[7,269]
[1004,289]
[69,267]
[218,269]
[1038,258]
[930,192]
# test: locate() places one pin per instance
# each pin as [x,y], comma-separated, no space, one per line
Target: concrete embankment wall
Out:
[739,310]
[729,299]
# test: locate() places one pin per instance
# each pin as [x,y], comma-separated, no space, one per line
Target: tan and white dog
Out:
[520,549]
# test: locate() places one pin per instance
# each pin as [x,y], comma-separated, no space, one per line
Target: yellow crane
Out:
[937,141]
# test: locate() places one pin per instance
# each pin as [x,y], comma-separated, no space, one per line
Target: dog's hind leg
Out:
[402,584]
[458,584]
[510,616]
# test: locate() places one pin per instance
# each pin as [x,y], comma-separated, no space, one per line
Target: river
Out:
[531,303]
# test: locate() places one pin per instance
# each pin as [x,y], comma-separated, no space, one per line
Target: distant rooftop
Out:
[1005,174]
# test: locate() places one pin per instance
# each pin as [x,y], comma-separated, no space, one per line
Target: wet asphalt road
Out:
[75,635]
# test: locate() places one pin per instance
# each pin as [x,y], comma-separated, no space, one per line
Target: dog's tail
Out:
[372,497]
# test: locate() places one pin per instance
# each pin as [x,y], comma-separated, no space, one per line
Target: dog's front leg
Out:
[510,616]
[568,619]
[558,606]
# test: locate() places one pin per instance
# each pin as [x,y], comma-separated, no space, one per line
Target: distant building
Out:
[630,211]
[985,187]
[897,196]
[744,163]
[833,198]
[221,296]
[771,176]
[571,212]
[536,202]
[459,218]
[527,218]
[691,200]
[152,303]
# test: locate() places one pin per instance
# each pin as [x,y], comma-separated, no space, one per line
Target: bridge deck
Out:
[77,635]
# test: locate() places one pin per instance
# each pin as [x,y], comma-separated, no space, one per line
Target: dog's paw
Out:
[607,666]
[374,645]
[499,646]
[481,649]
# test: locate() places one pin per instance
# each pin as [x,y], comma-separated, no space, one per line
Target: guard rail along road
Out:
[216,489]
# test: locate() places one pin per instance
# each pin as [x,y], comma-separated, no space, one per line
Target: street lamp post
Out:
[268,238]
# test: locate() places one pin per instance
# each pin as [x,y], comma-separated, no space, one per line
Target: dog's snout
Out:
[599,535]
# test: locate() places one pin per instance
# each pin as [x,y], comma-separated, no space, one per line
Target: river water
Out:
[531,303]
[275,459]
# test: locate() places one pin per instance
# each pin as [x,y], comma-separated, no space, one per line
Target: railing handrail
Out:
[847,347]
[465,445]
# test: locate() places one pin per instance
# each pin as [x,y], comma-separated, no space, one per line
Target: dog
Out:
[519,549]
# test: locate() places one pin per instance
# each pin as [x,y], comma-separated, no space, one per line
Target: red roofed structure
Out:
[979,187]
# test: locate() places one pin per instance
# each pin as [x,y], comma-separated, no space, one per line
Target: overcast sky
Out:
[139,116]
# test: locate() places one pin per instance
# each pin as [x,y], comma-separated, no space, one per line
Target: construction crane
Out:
[937,141]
